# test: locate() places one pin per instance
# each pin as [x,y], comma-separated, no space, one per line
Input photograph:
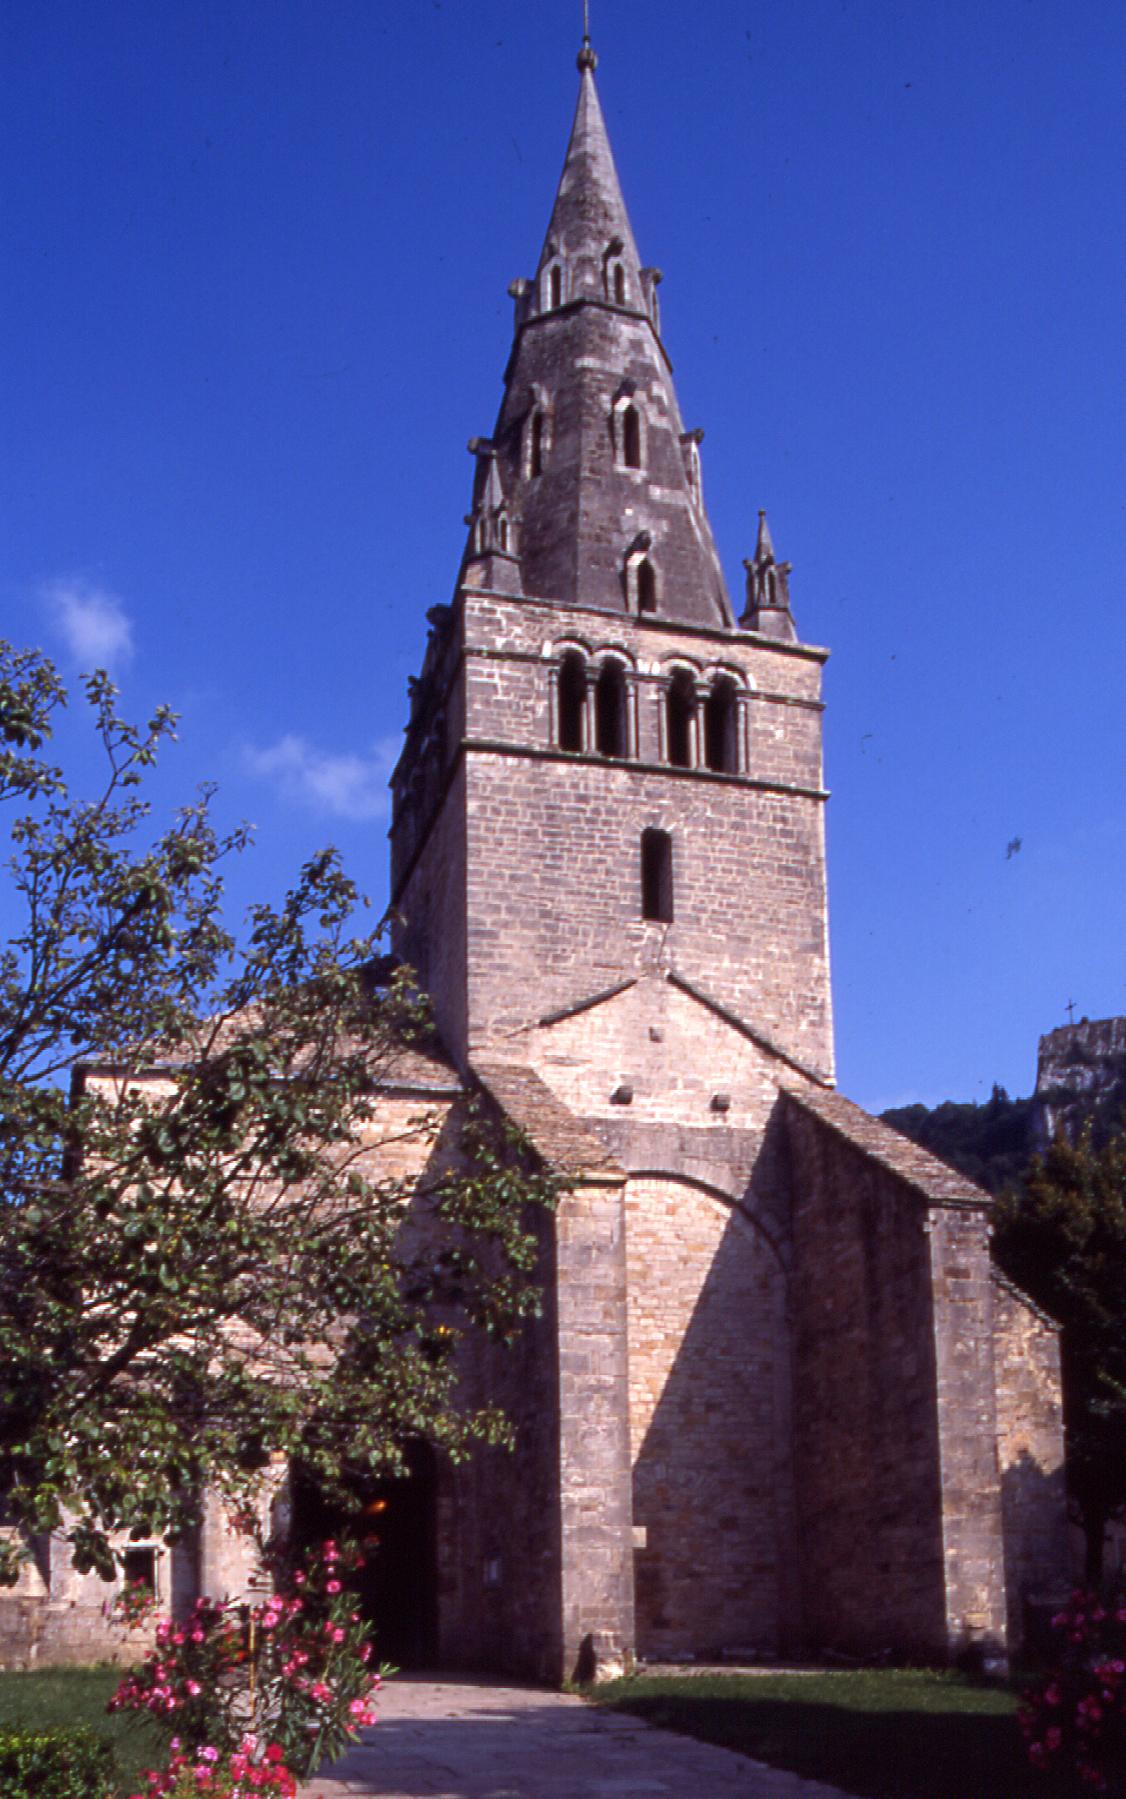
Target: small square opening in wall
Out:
[656,876]
[139,1568]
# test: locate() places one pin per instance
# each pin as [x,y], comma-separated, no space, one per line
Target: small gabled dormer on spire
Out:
[768,590]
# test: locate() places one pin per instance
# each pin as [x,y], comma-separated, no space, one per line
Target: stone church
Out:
[777,1399]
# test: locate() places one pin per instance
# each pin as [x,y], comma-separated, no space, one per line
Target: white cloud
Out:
[93,623]
[347,785]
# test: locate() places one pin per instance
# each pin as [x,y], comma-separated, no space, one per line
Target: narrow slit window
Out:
[646,586]
[556,286]
[502,532]
[535,456]
[572,701]
[619,284]
[610,710]
[656,876]
[721,725]
[631,437]
[681,718]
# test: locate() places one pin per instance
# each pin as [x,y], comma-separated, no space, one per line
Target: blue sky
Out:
[254,305]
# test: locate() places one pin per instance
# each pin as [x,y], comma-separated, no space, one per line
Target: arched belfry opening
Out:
[680,719]
[610,710]
[721,727]
[572,701]
[394,1521]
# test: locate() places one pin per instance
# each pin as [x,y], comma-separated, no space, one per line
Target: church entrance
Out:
[395,1521]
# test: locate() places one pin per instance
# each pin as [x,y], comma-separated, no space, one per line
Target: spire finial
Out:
[587,58]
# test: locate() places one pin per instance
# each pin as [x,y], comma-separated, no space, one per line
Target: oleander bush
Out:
[1074,1720]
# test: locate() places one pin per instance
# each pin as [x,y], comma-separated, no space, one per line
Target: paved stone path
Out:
[458,1739]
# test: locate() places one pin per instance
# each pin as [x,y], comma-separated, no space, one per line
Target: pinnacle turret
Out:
[768,590]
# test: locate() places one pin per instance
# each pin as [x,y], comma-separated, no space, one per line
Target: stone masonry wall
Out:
[962,1295]
[555,895]
[1030,1448]
[594,1449]
[428,917]
[899,1499]
[709,1371]
[499,1601]
[867,1465]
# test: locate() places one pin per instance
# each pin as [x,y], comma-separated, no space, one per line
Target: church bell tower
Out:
[607,772]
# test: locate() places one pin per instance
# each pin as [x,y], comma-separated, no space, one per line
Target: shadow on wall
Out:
[1034,1510]
[712,1482]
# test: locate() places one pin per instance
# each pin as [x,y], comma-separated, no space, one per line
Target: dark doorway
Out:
[395,1521]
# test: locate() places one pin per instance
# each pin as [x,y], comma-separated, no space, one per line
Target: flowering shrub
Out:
[249,1770]
[1075,1720]
[291,1671]
[133,1606]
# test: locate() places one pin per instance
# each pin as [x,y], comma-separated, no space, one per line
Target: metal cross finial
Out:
[1071,1011]
[587,58]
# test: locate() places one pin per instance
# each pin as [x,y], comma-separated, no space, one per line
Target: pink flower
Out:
[332,1586]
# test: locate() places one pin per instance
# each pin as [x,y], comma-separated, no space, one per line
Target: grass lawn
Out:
[78,1696]
[879,1734]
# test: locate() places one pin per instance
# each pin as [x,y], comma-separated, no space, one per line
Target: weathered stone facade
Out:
[764,1405]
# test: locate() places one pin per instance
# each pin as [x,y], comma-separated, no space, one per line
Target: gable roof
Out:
[935,1181]
[565,1144]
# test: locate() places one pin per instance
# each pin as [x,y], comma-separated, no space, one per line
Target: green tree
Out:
[202,1260]
[1064,1241]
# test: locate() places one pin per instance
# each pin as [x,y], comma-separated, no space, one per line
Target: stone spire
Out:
[598,475]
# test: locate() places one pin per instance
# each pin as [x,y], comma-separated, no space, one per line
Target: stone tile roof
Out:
[934,1180]
[1024,1299]
[408,1062]
[423,1065]
[563,1142]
